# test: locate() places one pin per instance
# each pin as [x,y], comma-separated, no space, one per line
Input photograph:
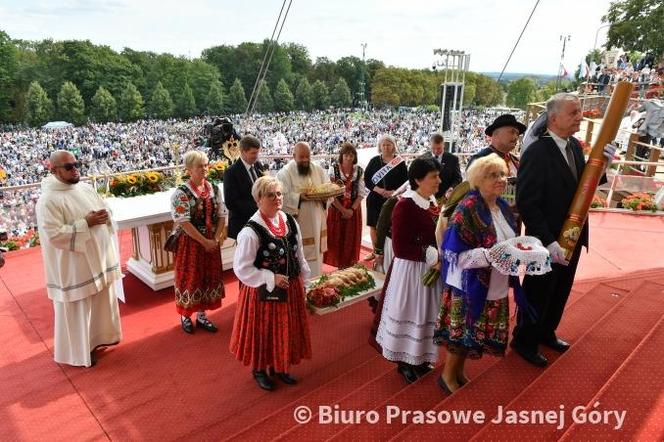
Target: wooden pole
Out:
[578,211]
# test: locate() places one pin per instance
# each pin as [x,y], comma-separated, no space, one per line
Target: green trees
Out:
[8,74]
[70,104]
[215,99]
[321,95]
[304,95]
[38,107]
[186,104]
[636,25]
[237,100]
[113,85]
[130,104]
[340,96]
[264,103]
[104,107]
[521,92]
[283,98]
[160,104]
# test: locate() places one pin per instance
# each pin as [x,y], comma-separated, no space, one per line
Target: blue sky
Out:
[399,32]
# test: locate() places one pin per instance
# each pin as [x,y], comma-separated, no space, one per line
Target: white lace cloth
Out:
[523,254]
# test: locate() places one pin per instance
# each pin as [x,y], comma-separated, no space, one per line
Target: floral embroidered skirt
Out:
[271,334]
[487,335]
[198,277]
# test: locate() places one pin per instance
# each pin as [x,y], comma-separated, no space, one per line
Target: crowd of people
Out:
[120,147]
[282,236]
[647,76]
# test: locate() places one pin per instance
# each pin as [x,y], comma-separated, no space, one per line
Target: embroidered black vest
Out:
[197,211]
[355,188]
[277,255]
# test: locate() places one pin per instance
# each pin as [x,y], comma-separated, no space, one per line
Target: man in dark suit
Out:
[448,165]
[238,180]
[546,183]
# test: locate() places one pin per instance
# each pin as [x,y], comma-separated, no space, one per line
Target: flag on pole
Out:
[584,69]
[563,72]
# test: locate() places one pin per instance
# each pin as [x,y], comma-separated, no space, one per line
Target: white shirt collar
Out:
[246,165]
[561,142]
[419,200]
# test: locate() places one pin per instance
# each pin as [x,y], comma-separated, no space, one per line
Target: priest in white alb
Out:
[81,263]
[297,176]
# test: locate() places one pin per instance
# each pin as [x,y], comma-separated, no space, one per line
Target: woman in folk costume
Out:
[197,209]
[474,313]
[409,308]
[271,331]
[344,218]
[385,173]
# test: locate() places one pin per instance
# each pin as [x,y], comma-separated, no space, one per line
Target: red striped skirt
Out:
[271,334]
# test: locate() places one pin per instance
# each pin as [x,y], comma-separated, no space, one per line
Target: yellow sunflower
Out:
[152,177]
[132,179]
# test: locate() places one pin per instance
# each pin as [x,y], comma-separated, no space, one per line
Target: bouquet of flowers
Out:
[216,171]
[29,239]
[598,201]
[137,184]
[639,201]
[592,113]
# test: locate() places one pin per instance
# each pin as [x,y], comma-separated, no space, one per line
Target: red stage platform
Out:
[161,384]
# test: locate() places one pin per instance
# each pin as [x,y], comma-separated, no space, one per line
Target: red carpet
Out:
[160,384]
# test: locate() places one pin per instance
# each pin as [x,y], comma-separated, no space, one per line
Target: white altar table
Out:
[149,218]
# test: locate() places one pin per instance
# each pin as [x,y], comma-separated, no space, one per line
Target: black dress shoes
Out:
[263,380]
[286,378]
[533,357]
[407,371]
[556,344]
[423,369]
[206,325]
[187,325]
[443,386]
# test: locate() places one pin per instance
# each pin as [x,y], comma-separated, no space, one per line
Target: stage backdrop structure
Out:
[455,64]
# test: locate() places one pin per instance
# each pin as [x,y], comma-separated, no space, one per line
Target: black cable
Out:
[517,42]
[272,53]
[267,50]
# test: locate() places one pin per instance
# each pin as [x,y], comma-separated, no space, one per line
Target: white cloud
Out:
[399,32]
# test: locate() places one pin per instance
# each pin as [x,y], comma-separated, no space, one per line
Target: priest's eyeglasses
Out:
[70,166]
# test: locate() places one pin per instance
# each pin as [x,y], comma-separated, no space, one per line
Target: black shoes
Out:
[441,383]
[423,369]
[407,371]
[556,344]
[283,377]
[263,380]
[187,325]
[286,378]
[534,357]
[93,359]
[206,325]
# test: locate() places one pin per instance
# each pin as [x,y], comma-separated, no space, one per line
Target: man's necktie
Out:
[252,173]
[570,159]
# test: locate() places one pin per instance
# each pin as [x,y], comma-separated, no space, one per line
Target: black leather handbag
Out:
[171,244]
